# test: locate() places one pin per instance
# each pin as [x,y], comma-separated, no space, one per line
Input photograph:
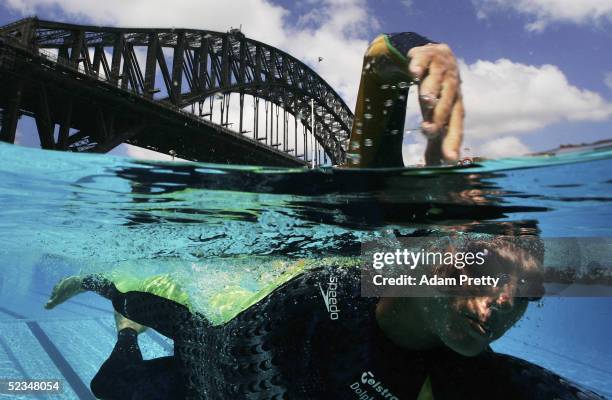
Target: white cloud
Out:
[608,80]
[504,99]
[337,30]
[509,146]
[542,13]
[508,97]
[407,3]
[259,18]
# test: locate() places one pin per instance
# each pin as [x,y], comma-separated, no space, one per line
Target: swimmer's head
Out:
[469,319]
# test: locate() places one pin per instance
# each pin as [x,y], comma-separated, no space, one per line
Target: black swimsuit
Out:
[314,337]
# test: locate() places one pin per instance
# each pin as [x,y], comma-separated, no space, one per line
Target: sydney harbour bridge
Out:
[194,94]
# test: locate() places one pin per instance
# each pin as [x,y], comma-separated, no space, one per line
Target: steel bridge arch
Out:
[202,64]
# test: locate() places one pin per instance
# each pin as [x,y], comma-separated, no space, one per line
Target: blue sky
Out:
[534,71]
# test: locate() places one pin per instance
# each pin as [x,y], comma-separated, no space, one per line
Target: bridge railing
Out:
[55,58]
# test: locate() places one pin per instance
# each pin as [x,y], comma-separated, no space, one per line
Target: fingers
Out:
[429,93]
[448,96]
[451,143]
[421,69]
[420,59]
[440,99]
[435,64]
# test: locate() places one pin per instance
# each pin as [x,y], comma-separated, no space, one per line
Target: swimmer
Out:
[315,336]
[293,344]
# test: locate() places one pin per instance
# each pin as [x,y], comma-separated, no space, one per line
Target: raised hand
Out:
[435,68]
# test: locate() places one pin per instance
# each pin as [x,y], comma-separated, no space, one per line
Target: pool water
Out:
[214,228]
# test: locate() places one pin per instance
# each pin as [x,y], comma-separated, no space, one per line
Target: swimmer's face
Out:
[469,319]
[466,318]
[468,325]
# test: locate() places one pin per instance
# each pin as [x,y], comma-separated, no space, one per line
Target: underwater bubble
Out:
[388,103]
[367,66]
[403,85]
[359,124]
[393,87]
[395,131]
[368,142]
[367,116]
[355,145]
[401,97]
[358,131]
[384,112]
[367,99]
[384,87]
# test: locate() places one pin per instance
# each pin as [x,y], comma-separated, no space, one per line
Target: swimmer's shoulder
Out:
[313,291]
[342,277]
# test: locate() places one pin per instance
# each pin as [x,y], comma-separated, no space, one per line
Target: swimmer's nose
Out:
[505,301]
[482,307]
[487,305]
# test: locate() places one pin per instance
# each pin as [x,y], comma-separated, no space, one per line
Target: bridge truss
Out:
[199,95]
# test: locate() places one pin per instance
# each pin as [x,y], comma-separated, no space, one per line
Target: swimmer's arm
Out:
[391,62]
[163,315]
[378,128]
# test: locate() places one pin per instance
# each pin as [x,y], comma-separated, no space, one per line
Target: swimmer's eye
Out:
[504,279]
